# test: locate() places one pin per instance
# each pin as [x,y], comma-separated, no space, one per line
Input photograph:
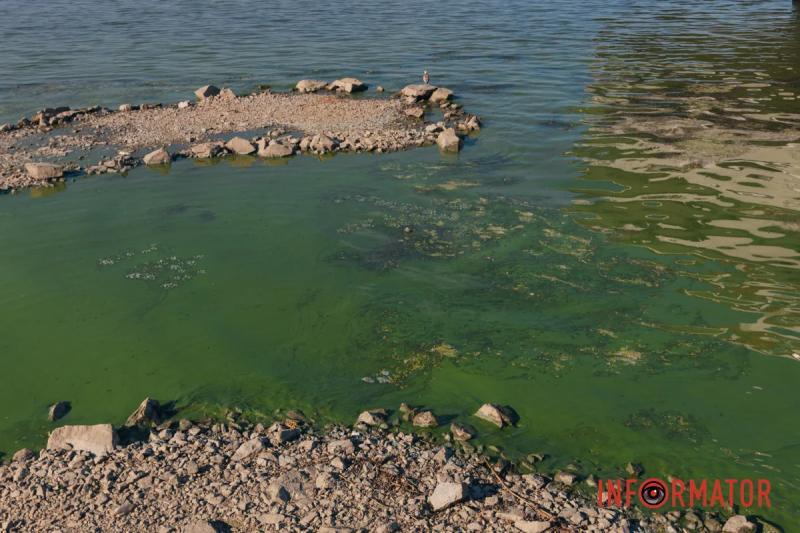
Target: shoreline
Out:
[175,475]
[315,118]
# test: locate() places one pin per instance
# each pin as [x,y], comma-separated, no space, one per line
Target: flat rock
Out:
[532,526]
[310,86]
[738,524]
[449,141]
[348,85]
[58,411]
[207,91]
[99,439]
[447,494]
[241,146]
[157,157]
[420,91]
[44,171]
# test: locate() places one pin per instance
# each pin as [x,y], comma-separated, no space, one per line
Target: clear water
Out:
[567,262]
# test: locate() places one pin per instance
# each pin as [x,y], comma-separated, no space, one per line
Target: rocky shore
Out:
[316,118]
[180,476]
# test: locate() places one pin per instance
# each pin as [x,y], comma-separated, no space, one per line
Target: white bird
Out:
[425,77]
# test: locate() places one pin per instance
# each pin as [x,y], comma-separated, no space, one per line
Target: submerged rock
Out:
[99,439]
[499,415]
[157,157]
[206,91]
[310,86]
[58,410]
[462,432]
[447,494]
[449,141]
[44,171]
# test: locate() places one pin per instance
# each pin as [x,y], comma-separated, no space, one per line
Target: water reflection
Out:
[692,148]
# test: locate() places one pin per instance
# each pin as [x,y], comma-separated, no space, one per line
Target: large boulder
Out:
[499,415]
[322,143]
[99,439]
[207,91]
[241,146]
[44,171]
[447,494]
[310,86]
[147,414]
[738,524]
[158,157]
[348,85]
[419,91]
[449,141]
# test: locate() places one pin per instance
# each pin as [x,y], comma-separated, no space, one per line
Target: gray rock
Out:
[241,146]
[310,86]
[147,414]
[247,449]
[44,171]
[158,157]
[449,141]
[99,439]
[58,411]
[447,494]
[738,524]
[206,91]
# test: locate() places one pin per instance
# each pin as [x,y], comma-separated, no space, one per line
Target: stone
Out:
[158,157]
[738,524]
[532,526]
[277,492]
[449,141]
[99,439]
[276,150]
[44,171]
[247,449]
[565,478]
[206,150]
[206,91]
[499,415]
[344,446]
[373,417]
[415,112]
[58,411]
[441,95]
[227,94]
[322,143]
[421,91]
[425,419]
[447,494]
[310,86]
[241,146]
[462,432]
[126,107]
[23,455]
[279,433]
[184,104]
[348,85]
[200,526]
[379,89]
[147,414]
[634,469]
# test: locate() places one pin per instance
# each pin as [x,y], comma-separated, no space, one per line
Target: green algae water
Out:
[615,255]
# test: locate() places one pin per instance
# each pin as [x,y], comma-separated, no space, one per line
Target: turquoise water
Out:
[553,265]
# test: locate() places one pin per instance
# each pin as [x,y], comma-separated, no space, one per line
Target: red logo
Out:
[654,493]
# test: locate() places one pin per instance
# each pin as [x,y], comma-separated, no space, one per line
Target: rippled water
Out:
[615,255]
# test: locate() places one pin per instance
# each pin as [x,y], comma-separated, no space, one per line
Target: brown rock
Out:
[158,157]
[310,86]
[449,141]
[147,414]
[421,91]
[240,146]
[373,417]
[348,85]
[58,410]
[441,95]
[462,432]
[23,455]
[425,419]
[43,171]
[415,112]
[99,439]
[499,415]
[276,150]
[206,150]
[206,91]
